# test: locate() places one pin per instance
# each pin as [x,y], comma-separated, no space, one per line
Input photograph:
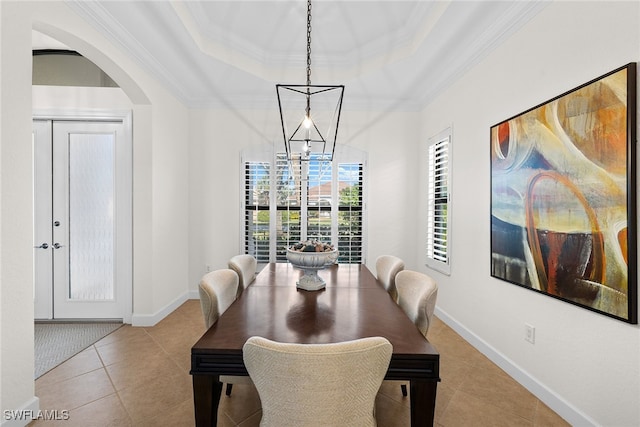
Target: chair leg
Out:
[228,390]
[404,389]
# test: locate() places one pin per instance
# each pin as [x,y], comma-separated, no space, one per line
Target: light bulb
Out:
[307,122]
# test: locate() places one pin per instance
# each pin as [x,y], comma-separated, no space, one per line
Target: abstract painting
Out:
[563,197]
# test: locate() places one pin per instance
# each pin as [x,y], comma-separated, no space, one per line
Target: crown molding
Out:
[98,16]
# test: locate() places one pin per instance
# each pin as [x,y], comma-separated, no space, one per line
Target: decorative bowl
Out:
[310,263]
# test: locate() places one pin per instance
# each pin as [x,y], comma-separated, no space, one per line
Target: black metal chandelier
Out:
[310,133]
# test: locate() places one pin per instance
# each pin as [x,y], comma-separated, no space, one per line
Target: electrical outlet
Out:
[208,268]
[529,333]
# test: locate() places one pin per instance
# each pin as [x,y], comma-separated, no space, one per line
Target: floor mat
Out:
[57,342]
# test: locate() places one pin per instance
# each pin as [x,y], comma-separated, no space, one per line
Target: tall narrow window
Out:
[288,223]
[257,185]
[350,212]
[319,195]
[438,197]
[310,200]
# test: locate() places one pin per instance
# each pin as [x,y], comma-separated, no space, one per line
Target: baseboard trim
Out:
[21,416]
[554,401]
[153,319]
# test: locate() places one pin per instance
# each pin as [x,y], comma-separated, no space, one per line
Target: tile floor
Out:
[140,377]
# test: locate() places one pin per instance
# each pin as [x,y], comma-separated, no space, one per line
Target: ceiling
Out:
[390,55]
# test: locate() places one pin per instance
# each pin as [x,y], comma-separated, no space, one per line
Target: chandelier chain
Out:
[308,42]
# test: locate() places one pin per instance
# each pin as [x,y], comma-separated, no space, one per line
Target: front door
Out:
[82,220]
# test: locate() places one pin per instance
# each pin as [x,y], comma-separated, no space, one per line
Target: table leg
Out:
[423,402]
[206,398]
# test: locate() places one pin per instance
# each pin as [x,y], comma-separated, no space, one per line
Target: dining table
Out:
[352,305]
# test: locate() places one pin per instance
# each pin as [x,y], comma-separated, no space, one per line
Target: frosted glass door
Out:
[84,219]
[91,194]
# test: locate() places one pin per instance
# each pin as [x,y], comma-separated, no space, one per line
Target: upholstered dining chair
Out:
[218,290]
[417,294]
[317,384]
[387,267]
[245,267]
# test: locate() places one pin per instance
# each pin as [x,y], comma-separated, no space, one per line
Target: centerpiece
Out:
[311,256]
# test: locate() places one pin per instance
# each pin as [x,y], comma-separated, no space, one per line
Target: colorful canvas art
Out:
[563,218]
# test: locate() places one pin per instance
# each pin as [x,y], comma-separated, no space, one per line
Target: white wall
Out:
[160,192]
[16,225]
[584,365]
[389,140]
[217,138]
[50,98]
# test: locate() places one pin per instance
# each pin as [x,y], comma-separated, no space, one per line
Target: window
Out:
[438,197]
[256,212]
[350,212]
[289,201]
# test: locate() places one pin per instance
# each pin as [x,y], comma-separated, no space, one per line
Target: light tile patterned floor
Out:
[140,377]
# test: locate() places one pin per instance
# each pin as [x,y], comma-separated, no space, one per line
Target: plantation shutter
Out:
[438,204]
[257,185]
[319,191]
[288,204]
[350,212]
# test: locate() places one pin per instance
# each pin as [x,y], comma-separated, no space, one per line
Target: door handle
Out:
[57,246]
[42,246]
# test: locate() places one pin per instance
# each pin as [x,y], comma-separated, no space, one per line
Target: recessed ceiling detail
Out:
[391,55]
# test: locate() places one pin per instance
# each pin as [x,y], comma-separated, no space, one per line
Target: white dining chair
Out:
[387,267]
[309,385]
[218,290]
[417,295]
[245,266]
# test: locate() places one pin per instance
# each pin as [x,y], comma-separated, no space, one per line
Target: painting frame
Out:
[563,196]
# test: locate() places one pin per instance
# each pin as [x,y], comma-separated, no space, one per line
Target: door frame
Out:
[124,249]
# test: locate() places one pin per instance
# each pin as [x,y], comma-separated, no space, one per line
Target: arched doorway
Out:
[75,274]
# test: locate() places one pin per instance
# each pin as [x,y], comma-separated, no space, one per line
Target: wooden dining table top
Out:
[352,305]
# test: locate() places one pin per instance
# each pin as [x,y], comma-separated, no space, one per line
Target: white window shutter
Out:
[438,198]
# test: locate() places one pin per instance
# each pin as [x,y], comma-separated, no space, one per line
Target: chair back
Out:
[218,290]
[317,384]
[245,266]
[387,267]
[417,294]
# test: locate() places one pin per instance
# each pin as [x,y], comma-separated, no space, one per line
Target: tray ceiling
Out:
[390,55]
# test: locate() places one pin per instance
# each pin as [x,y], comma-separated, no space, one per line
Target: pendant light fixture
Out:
[310,114]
